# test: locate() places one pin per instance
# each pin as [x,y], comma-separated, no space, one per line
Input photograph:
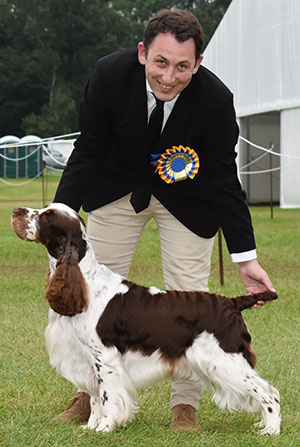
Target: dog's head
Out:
[62,231]
[57,227]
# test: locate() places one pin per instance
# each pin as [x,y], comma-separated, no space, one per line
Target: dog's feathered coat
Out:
[110,337]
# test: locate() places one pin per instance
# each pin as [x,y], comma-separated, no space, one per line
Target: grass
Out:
[32,393]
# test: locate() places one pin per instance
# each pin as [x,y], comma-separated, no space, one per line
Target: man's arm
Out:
[231,202]
[84,160]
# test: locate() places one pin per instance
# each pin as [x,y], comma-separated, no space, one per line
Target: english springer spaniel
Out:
[110,337]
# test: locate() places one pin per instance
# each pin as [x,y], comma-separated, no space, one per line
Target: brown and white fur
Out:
[110,337]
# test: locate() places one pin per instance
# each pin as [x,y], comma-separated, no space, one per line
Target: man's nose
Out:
[169,75]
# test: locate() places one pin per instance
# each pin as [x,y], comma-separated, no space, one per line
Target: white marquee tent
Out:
[256,52]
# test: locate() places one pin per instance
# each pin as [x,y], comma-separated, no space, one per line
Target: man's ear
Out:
[142,53]
[197,64]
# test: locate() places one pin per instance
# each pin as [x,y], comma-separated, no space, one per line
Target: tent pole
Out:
[271,147]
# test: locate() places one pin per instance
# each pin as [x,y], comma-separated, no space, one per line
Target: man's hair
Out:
[182,24]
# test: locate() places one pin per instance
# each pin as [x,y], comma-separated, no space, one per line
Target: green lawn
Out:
[32,393]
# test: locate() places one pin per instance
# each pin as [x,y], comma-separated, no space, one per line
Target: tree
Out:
[48,49]
[45,46]
[21,80]
[138,12]
[55,118]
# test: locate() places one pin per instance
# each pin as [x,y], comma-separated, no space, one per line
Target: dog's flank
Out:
[130,322]
[110,337]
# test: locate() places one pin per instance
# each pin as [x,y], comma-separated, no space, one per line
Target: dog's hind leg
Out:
[235,384]
[117,393]
[243,388]
[269,400]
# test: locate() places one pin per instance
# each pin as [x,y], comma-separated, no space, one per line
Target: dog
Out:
[111,337]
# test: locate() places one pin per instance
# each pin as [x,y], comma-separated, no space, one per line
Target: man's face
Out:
[169,64]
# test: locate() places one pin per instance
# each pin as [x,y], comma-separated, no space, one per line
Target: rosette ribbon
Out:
[176,164]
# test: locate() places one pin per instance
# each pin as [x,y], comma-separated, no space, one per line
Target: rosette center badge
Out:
[178,163]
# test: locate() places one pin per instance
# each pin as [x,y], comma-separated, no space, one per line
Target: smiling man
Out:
[158,136]
[169,64]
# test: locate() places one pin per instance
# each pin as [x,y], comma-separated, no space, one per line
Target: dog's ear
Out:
[66,290]
[56,230]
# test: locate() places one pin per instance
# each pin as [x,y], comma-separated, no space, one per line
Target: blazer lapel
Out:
[137,113]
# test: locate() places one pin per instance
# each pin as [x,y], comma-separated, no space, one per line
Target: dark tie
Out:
[155,124]
[140,198]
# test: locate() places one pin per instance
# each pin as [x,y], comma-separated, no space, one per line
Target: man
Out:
[185,176]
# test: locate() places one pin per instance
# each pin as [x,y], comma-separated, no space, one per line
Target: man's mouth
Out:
[165,86]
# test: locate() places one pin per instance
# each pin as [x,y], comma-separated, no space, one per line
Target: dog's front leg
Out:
[95,416]
[116,392]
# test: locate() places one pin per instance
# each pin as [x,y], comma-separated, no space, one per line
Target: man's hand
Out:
[255,279]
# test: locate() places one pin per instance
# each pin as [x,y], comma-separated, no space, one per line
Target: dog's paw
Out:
[105,426]
[270,431]
[91,425]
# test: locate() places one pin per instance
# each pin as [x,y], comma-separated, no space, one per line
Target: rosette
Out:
[176,164]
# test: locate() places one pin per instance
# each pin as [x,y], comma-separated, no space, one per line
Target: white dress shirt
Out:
[168,105]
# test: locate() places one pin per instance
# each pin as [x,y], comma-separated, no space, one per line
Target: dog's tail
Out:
[244,302]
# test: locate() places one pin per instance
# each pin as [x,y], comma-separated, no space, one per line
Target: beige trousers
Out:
[114,231]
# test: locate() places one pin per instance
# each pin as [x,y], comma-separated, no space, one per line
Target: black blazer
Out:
[110,157]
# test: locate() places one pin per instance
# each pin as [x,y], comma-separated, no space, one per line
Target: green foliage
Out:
[56,118]
[46,46]
[50,48]
[32,393]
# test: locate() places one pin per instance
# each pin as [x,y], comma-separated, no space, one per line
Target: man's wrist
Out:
[244,256]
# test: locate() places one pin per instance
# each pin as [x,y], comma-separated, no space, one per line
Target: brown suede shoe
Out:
[78,410]
[184,417]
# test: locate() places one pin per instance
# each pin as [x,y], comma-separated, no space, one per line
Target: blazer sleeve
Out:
[90,147]
[220,166]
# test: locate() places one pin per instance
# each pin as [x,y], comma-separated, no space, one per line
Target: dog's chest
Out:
[73,345]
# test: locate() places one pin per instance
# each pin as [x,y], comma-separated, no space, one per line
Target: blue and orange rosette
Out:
[176,164]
